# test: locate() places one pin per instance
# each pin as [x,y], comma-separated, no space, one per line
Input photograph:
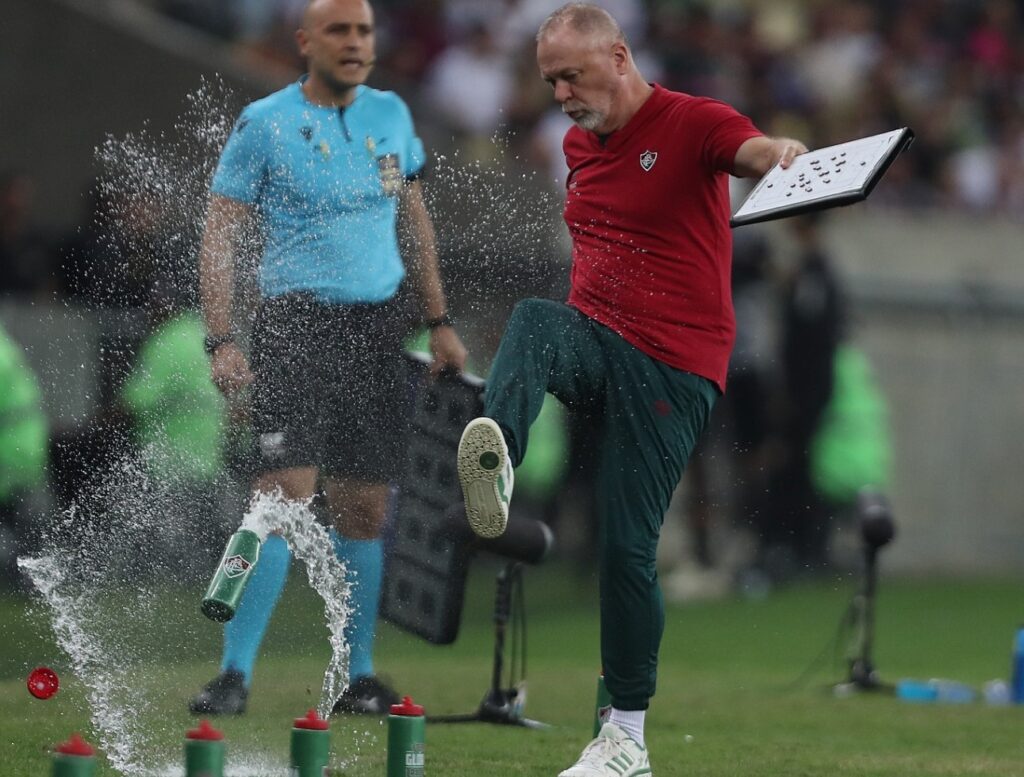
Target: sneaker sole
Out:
[484,509]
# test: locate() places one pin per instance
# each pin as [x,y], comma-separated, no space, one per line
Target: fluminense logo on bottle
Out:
[235,566]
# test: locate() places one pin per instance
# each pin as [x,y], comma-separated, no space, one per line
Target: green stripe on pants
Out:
[651,416]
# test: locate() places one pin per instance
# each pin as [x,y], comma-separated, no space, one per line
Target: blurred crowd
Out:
[825,71]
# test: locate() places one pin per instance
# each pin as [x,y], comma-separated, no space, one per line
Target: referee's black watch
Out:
[435,323]
[213,342]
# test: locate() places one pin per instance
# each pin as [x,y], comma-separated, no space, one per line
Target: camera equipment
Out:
[877,531]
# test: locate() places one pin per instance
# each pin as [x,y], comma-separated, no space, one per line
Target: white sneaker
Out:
[613,754]
[485,474]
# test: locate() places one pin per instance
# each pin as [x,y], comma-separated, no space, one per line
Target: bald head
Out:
[585,20]
[317,10]
[583,55]
[337,40]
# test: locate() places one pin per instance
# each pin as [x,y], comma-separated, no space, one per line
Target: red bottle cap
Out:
[407,708]
[76,746]
[43,682]
[204,731]
[312,721]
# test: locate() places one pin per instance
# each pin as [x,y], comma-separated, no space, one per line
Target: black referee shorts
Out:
[330,388]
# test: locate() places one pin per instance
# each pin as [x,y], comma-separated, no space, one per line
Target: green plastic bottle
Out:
[603,705]
[74,758]
[406,735]
[204,751]
[233,572]
[311,746]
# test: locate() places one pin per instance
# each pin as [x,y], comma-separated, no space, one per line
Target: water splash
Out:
[114,708]
[498,229]
[96,555]
[241,765]
[99,621]
[311,543]
[150,203]
[172,170]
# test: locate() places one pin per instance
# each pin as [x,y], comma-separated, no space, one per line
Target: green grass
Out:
[726,679]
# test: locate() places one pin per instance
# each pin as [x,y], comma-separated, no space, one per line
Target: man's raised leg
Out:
[547,346]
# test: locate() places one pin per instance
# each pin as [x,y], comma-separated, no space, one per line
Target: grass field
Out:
[727,701]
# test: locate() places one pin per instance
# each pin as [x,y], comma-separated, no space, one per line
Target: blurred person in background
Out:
[178,418]
[795,529]
[643,342]
[470,85]
[111,261]
[331,166]
[26,263]
[721,525]
[24,434]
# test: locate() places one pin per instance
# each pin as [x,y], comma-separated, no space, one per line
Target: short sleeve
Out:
[414,157]
[243,161]
[724,130]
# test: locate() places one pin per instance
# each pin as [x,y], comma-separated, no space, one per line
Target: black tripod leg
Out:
[498,705]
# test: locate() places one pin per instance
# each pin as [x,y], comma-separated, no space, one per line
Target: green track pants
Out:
[651,416]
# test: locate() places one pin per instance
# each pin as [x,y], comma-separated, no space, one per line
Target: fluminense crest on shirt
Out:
[647,160]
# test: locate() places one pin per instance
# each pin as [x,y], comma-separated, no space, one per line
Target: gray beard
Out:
[590,120]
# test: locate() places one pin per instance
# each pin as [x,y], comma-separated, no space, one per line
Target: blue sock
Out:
[244,632]
[364,560]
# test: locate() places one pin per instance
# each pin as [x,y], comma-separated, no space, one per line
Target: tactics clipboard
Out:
[823,178]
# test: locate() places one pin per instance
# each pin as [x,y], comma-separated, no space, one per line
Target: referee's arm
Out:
[225,220]
[422,265]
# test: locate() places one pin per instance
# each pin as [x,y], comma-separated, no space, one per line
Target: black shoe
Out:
[225,694]
[367,696]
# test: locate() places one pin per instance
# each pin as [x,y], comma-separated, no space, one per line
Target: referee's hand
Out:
[230,369]
[447,349]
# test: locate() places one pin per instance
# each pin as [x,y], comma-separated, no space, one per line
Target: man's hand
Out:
[788,149]
[447,349]
[759,155]
[230,369]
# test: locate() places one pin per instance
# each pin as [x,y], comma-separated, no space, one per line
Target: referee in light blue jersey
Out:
[327,166]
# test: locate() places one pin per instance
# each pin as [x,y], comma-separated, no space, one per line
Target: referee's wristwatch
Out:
[213,342]
[436,323]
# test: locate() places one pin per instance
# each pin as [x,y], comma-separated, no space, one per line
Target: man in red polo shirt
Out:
[642,344]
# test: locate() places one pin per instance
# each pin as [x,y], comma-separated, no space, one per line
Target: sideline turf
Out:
[726,681]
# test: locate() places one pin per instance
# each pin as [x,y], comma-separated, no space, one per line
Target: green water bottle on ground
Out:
[311,746]
[204,751]
[233,572]
[406,734]
[74,758]
[603,706]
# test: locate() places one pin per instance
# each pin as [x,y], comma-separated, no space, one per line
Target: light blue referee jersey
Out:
[325,184]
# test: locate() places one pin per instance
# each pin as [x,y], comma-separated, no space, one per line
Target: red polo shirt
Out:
[648,211]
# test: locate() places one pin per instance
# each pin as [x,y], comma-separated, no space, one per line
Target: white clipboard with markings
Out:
[823,178]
